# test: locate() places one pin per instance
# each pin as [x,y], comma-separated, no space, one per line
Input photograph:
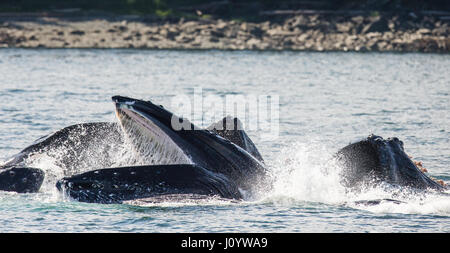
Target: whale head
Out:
[374,160]
[157,133]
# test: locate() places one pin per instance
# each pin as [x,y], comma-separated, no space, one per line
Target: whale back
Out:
[75,148]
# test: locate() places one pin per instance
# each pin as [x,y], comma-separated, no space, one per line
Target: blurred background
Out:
[224,9]
[325,25]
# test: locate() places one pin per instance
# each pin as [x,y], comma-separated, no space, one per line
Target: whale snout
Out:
[21,179]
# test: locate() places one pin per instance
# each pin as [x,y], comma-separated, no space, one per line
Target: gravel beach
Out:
[303,32]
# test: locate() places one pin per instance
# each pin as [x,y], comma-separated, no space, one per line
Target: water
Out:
[327,100]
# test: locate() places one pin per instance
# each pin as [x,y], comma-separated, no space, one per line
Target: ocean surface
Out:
[326,101]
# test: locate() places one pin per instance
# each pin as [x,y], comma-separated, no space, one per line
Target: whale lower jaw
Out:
[115,185]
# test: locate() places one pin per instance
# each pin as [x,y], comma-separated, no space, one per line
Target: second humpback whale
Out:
[374,160]
[187,161]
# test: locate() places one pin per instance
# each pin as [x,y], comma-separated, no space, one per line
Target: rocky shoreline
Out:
[303,32]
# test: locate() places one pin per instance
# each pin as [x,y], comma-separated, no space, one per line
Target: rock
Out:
[424,31]
[388,36]
[77,32]
[244,26]
[302,37]
[163,32]
[358,19]
[221,24]
[188,24]
[216,33]
[257,32]
[213,39]
[253,43]
[382,45]
[372,44]
[122,28]
[343,27]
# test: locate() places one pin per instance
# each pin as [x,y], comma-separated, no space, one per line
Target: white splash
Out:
[182,200]
[304,172]
[411,202]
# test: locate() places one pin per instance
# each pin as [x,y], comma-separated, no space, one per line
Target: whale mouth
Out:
[146,127]
[151,134]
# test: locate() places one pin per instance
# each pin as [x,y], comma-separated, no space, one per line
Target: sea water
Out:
[326,101]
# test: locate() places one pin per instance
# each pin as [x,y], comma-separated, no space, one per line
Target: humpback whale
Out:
[375,160]
[167,160]
[70,148]
[210,163]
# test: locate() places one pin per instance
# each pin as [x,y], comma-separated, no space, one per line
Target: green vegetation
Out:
[229,9]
